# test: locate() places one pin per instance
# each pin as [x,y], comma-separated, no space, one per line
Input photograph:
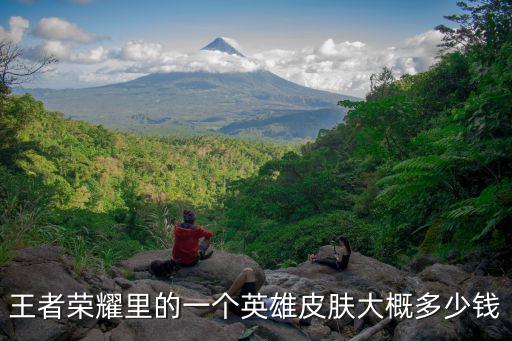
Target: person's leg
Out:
[246,276]
[329,261]
[204,244]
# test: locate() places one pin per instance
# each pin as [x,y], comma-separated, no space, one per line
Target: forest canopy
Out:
[105,195]
[422,166]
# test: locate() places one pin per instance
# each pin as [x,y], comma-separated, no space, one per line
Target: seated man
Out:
[244,284]
[190,241]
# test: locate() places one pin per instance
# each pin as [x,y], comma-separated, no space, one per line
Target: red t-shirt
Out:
[186,243]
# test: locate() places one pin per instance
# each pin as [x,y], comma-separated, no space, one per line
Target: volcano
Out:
[256,104]
[221,44]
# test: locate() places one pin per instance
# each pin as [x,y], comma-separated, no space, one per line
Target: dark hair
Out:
[189,216]
[345,242]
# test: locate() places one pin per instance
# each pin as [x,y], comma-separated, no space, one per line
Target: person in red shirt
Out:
[190,241]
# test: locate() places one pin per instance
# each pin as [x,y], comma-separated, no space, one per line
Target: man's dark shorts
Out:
[248,288]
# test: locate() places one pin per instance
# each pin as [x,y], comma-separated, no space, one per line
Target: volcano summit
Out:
[257,103]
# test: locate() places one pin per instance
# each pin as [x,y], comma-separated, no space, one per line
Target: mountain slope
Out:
[199,101]
[232,103]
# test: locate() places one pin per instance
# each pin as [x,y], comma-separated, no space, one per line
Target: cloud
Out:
[139,51]
[17,27]
[342,67]
[152,57]
[345,67]
[58,29]
[65,52]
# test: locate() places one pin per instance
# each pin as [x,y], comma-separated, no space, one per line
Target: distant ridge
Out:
[220,44]
[257,103]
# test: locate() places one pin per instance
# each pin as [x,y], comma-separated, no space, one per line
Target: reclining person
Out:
[244,284]
[336,262]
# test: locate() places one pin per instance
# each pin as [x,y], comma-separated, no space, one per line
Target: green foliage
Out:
[104,195]
[424,164]
[288,243]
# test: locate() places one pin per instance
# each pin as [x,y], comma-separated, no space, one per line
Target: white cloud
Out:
[346,67]
[342,67]
[62,30]
[233,43]
[65,52]
[139,51]
[152,57]
[17,27]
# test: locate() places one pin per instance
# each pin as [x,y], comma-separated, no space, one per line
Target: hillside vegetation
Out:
[256,104]
[422,166]
[105,195]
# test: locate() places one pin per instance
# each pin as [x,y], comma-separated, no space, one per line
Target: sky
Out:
[333,45]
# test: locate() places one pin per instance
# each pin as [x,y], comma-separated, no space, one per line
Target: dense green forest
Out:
[105,195]
[423,166]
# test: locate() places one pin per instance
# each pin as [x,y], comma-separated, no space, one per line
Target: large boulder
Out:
[38,271]
[212,275]
[269,329]
[450,275]
[433,328]
[363,273]
[420,262]
[488,328]
[187,327]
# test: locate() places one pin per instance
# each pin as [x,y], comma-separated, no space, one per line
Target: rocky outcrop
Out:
[364,273]
[210,276]
[488,328]
[38,271]
[450,275]
[46,269]
[187,327]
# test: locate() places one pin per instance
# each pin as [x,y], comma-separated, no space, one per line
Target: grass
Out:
[5,254]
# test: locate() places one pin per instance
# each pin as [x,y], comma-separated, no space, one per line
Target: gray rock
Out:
[487,328]
[123,282]
[420,262]
[38,271]
[270,330]
[363,273]
[219,271]
[318,331]
[38,329]
[96,335]
[187,327]
[448,274]
[100,282]
[42,254]
[6,326]
[39,277]
[433,328]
